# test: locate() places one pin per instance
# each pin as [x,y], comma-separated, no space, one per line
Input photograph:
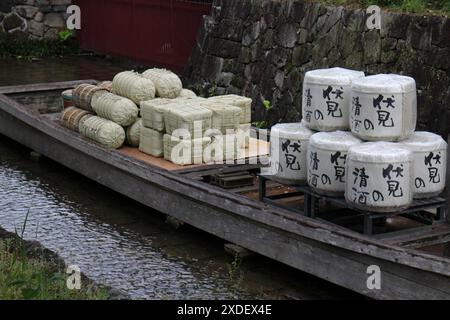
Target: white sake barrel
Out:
[327,156]
[430,163]
[379,177]
[326,98]
[288,152]
[383,107]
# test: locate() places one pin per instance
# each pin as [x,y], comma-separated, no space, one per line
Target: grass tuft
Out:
[27,272]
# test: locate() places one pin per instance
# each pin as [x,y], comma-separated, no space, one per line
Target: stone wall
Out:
[262,49]
[32,19]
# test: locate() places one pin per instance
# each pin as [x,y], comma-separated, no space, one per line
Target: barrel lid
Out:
[333,76]
[384,83]
[337,140]
[295,130]
[380,152]
[424,141]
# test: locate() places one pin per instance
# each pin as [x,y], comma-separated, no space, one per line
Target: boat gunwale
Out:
[263,213]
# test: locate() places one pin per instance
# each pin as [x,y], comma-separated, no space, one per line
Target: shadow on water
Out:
[123,244]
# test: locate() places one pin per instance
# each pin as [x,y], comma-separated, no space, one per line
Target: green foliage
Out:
[35,279]
[260,124]
[414,6]
[26,275]
[267,105]
[212,92]
[37,49]
[65,35]
[446,6]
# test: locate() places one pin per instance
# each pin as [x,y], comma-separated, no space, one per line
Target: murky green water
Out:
[120,243]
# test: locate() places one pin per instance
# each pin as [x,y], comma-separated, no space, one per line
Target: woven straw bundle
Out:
[105,132]
[133,86]
[107,85]
[115,108]
[243,135]
[134,133]
[224,117]
[152,142]
[167,83]
[152,112]
[222,148]
[185,152]
[242,102]
[188,115]
[186,93]
[82,96]
[71,116]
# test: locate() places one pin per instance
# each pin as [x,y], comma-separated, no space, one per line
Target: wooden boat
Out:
[413,262]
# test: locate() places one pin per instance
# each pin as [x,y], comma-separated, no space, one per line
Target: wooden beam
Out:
[44,86]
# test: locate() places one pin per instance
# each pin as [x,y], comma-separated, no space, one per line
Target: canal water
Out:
[119,243]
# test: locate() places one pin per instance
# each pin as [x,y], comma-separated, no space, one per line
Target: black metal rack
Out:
[417,211]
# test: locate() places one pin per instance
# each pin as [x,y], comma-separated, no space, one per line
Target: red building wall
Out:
[154,32]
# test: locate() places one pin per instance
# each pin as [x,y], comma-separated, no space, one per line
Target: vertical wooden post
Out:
[448,177]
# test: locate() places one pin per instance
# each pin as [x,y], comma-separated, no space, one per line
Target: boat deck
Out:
[396,230]
[414,259]
[258,148]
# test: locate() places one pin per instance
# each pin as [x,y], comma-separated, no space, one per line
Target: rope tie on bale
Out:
[82,96]
[70,117]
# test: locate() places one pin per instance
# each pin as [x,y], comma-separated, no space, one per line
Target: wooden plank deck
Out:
[257,148]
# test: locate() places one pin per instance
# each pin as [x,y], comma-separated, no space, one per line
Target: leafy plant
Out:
[24,277]
[267,105]
[65,35]
[260,124]
[212,91]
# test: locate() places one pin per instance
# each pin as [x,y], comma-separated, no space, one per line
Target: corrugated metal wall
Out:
[157,32]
